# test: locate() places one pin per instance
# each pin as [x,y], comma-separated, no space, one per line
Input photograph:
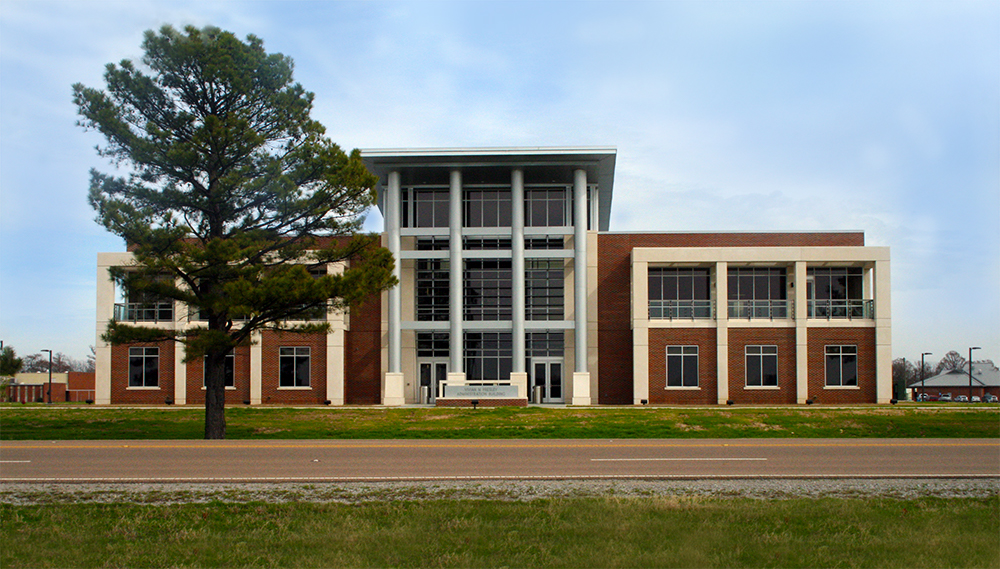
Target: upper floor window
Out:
[488,289]
[758,292]
[679,293]
[487,207]
[432,298]
[837,292]
[546,207]
[144,307]
[544,290]
[425,207]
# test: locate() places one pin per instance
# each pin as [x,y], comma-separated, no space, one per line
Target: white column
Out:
[581,377]
[392,385]
[801,333]
[256,367]
[517,266]
[180,374]
[456,344]
[640,331]
[518,375]
[105,311]
[722,331]
[883,332]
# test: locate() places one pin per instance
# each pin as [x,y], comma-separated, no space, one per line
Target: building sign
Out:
[480,391]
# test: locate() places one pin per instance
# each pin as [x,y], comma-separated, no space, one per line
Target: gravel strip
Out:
[360,492]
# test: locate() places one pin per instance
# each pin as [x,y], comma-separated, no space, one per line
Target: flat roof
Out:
[598,161]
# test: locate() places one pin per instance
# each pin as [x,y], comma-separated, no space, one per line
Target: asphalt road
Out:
[345,461]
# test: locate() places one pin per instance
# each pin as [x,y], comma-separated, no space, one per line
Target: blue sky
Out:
[761,116]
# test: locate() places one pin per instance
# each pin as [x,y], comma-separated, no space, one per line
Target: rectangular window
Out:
[488,356]
[145,307]
[682,366]
[433,345]
[841,366]
[229,372]
[293,367]
[762,366]
[433,289]
[429,207]
[837,292]
[544,344]
[487,207]
[758,292]
[545,207]
[488,290]
[679,293]
[143,367]
[544,290]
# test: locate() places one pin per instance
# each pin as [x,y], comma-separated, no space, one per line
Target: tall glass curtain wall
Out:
[488,282]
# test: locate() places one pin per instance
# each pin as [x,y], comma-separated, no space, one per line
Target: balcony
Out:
[681,310]
[761,309]
[842,309]
[145,311]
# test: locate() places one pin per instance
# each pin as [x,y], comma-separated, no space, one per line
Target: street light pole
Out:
[923,372]
[50,375]
[970,370]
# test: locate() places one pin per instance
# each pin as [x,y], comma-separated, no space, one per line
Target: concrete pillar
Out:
[456,345]
[580,268]
[256,367]
[883,332]
[517,268]
[392,224]
[640,331]
[801,333]
[722,331]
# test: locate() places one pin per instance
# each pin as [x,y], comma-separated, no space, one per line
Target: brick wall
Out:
[784,339]
[705,339]
[614,273]
[120,392]
[270,392]
[363,354]
[864,339]
[241,393]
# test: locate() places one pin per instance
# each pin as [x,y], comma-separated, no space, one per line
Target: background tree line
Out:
[11,364]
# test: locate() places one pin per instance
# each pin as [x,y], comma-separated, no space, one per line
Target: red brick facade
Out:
[864,339]
[239,394]
[614,333]
[705,339]
[122,393]
[784,339]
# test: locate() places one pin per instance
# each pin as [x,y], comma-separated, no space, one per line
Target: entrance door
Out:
[548,374]
[432,373]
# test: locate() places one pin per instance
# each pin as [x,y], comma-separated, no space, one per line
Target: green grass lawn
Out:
[64,422]
[563,532]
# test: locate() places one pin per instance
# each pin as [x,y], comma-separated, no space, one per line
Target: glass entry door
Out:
[432,374]
[547,373]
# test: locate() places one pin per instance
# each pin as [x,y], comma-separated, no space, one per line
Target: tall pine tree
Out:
[232,201]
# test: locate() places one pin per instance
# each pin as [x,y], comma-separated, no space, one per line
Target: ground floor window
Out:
[489,356]
[229,373]
[762,366]
[433,344]
[293,367]
[143,367]
[841,366]
[682,366]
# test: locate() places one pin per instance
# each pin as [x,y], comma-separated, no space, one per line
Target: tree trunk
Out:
[215,395]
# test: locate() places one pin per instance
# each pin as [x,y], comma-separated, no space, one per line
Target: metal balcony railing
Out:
[681,310]
[761,309]
[144,311]
[842,309]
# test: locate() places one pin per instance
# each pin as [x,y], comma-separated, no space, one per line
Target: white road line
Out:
[14,461]
[671,459]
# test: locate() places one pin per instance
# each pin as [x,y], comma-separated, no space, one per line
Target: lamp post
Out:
[923,370]
[50,375]
[970,370]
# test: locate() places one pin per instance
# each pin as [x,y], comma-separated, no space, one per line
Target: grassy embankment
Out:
[19,422]
[581,532]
